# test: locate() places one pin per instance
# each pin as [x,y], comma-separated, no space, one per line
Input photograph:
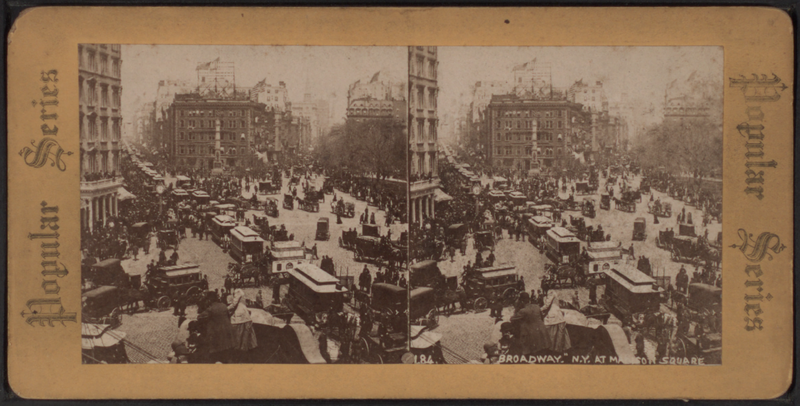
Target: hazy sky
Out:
[328,71]
[641,72]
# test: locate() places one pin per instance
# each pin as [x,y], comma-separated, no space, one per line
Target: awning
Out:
[440,196]
[125,195]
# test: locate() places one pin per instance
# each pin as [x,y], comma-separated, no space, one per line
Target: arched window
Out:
[289,265]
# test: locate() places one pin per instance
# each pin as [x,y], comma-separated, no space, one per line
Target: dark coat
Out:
[218,329]
[531,330]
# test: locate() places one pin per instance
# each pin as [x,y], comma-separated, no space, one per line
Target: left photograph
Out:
[244,204]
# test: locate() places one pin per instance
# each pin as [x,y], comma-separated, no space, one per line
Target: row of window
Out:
[212,124]
[529,113]
[519,124]
[528,151]
[195,136]
[92,98]
[92,59]
[540,136]
[103,161]
[424,67]
[209,150]
[210,113]
[425,133]
[93,130]
[421,101]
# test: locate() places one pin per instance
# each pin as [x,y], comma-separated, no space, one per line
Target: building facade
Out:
[423,125]
[100,126]
[527,134]
[211,133]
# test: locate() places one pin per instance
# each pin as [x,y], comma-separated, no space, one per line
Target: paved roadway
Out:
[154,331]
[466,333]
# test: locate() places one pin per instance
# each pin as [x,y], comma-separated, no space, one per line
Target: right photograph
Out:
[565,205]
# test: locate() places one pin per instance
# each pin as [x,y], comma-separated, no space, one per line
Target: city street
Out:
[153,331]
[465,333]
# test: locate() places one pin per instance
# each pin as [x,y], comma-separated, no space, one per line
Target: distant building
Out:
[273,97]
[100,129]
[211,133]
[316,111]
[423,125]
[592,97]
[525,134]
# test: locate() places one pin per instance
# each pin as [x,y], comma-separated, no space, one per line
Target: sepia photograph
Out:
[243,204]
[566,205]
[269,187]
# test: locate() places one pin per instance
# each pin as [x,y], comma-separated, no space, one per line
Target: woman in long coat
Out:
[244,337]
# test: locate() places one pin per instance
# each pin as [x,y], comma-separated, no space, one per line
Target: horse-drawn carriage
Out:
[484,240]
[585,188]
[384,341]
[424,273]
[271,207]
[323,229]
[700,336]
[269,187]
[685,249]
[166,284]
[345,209]
[639,229]
[167,239]
[629,291]
[308,205]
[313,293]
[314,195]
[605,202]
[493,283]
[628,206]
[455,235]
[660,209]
[288,202]
[587,208]
[348,239]
[102,305]
[368,249]
[249,274]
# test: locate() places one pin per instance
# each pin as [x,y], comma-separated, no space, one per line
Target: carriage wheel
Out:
[359,352]
[375,358]
[510,296]
[480,304]
[163,302]
[193,293]
[432,318]
[679,348]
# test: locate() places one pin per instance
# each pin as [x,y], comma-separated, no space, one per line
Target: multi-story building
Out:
[423,124]
[100,126]
[211,133]
[273,97]
[528,133]
[592,97]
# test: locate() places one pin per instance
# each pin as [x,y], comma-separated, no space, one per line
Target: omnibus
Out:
[561,245]
[220,227]
[313,292]
[630,291]
[246,244]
